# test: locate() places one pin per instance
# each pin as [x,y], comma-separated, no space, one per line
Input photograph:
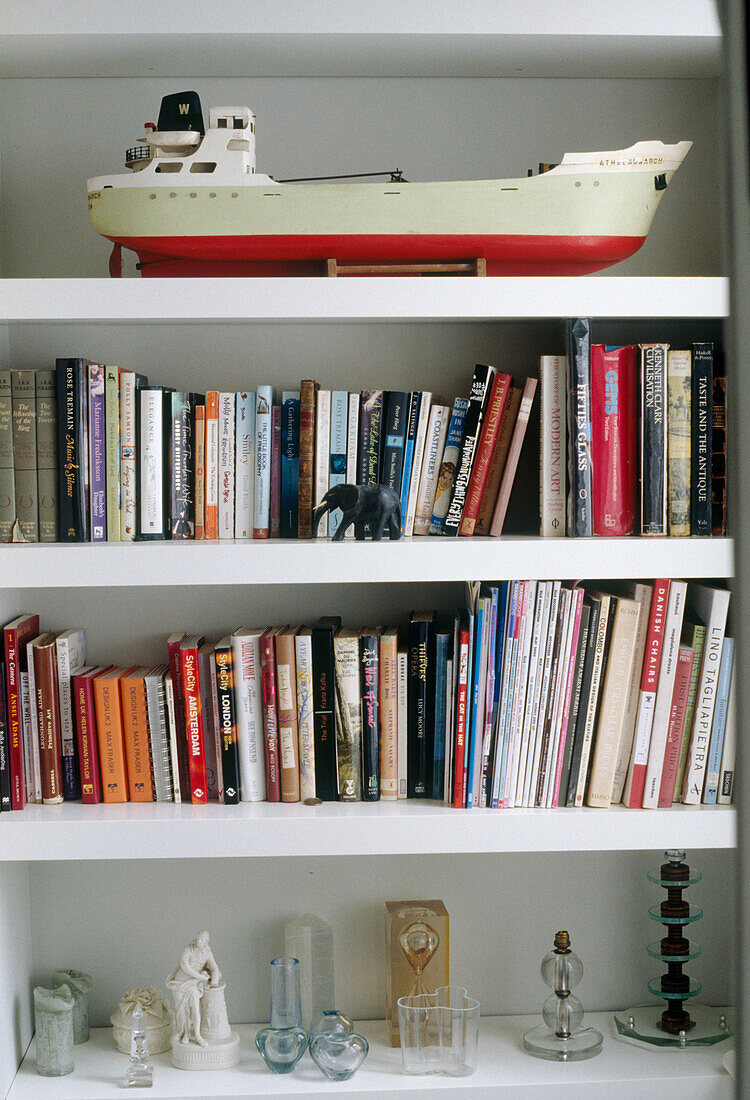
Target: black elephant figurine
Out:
[376,505]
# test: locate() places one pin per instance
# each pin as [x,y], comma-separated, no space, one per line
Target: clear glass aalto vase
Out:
[439,1032]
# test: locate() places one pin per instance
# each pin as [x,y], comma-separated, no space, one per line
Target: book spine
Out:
[592,709]
[5,803]
[211,493]
[262,491]
[719,457]
[478,398]
[111,747]
[348,718]
[696,640]
[274,523]
[72,404]
[388,716]
[136,734]
[701,443]
[553,446]
[191,693]
[368,462]
[437,431]
[653,439]
[15,727]
[514,454]
[636,779]
[48,718]
[352,441]
[71,657]
[501,384]
[579,517]
[88,753]
[112,450]
[575,705]
[448,465]
[151,481]
[308,402]
[402,687]
[643,594]
[322,454]
[580,726]
[270,717]
[369,664]
[226,465]
[174,754]
[244,471]
[567,704]
[175,668]
[47,451]
[324,725]
[210,718]
[664,692]
[561,684]
[159,738]
[418,708]
[729,752]
[417,463]
[462,698]
[286,690]
[248,688]
[31,728]
[713,764]
[713,610]
[290,410]
[549,694]
[127,456]
[199,470]
[410,435]
[678,441]
[497,462]
[23,391]
[230,761]
[98,453]
[7,477]
[305,726]
[676,726]
[614,438]
[337,464]
[182,489]
[438,740]
[533,688]
[394,427]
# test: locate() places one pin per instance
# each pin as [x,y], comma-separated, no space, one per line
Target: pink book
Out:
[514,453]
[523,597]
[568,693]
[676,728]
[275,504]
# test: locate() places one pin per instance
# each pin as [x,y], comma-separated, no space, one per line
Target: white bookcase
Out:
[447,90]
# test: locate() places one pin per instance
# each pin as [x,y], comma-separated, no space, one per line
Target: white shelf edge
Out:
[365,299]
[167,831]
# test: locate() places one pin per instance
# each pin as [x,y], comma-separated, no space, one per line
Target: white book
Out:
[531,720]
[597,670]
[70,649]
[159,733]
[173,757]
[729,749]
[711,605]
[262,490]
[305,724]
[127,455]
[244,464]
[248,689]
[642,594]
[553,445]
[544,693]
[403,718]
[30,723]
[557,690]
[226,465]
[437,429]
[519,701]
[663,704]
[537,634]
[338,446]
[152,488]
[417,461]
[322,455]
[352,440]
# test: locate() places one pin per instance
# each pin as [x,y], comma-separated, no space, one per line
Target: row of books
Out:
[93,453]
[533,693]
[637,434]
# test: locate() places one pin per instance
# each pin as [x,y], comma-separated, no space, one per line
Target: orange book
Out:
[136,734]
[112,758]
[286,695]
[200,470]
[211,467]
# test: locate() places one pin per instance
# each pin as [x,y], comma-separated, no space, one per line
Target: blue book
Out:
[449,465]
[411,435]
[337,468]
[443,643]
[395,422]
[474,679]
[713,767]
[508,632]
[289,464]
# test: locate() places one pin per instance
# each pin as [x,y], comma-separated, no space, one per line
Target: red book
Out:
[174,641]
[614,438]
[459,781]
[270,715]
[191,695]
[636,781]
[48,718]
[488,439]
[15,635]
[675,732]
[82,691]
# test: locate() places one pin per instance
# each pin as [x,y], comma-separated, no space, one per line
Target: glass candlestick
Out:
[140,1072]
[53,1016]
[562,1038]
[79,985]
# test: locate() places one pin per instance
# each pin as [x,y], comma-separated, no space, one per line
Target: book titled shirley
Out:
[244,472]
[580,515]
[614,438]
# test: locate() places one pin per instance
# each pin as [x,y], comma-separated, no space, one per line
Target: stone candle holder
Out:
[79,985]
[53,1019]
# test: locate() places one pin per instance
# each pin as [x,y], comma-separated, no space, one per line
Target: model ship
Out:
[194,204]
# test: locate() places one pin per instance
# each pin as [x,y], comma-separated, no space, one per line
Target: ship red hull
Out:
[280,255]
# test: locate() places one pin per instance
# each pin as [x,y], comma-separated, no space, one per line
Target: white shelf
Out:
[328,38]
[365,299]
[503,1070]
[166,831]
[292,561]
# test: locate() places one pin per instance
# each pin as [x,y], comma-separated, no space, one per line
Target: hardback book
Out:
[112,449]
[180,464]
[286,694]
[153,477]
[191,694]
[695,636]
[270,714]
[718,729]
[614,438]
[449,465]
[4,743]
[395,417]
[643,594]
[679,371]
[308,402]
[675,731]
[31,727]
[475,743]
[162,772]
[324,695]
[499,684]
[130,383]
[322,455]
[369,666]
[210,715]
[421,700]
[635,782]
[274,519]
[443,645]
[479,394]
[701,447]
[664,692]
[174,755]
[348,702]
[135,727]
[23,392]
[368,460]
[388,700]
[72,408]
[112,759]
[580,520]
[410,436]
[244,466]
[248,688]
[211,492]
[290,407]
[337,458]
[182,780]
[417,461]
[86,734]
[262,490]
[485,777]
[70,648]
[48,719]
[607,607]
[552,446]
[352,442]
[729,751]
[498,460]
[7,477]
[402,756]
[614,702]
[571,626]
[228,732]
[437,430]
[46,453]
[514,453]
[16,635]
[501,385]
[98,453]
[199,470]
[711,606]
[304,661]
[226,465]
[653,439]
[718,457]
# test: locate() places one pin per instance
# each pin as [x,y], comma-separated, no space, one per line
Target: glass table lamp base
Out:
[640,1026]
[543,1042]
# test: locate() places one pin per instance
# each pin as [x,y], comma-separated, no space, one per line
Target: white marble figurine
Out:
[202,1038]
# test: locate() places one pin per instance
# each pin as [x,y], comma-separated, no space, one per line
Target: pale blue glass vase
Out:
[283,1043]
